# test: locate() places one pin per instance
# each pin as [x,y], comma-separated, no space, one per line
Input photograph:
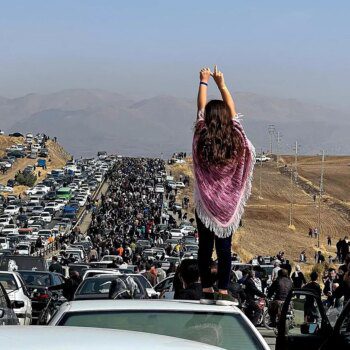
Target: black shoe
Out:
[208,298]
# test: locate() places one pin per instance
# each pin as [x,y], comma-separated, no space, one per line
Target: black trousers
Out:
[205,252]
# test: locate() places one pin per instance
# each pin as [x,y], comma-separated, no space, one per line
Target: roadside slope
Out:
[57,158]
[266,219]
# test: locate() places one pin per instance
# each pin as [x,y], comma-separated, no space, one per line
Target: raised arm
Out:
[204,76]
[225,94]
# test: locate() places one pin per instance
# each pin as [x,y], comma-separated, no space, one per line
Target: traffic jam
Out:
[105,243]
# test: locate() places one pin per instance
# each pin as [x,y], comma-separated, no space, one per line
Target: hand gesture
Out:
[204,75]
[218,77]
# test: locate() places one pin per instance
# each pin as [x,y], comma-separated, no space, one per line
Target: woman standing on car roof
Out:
[223,160]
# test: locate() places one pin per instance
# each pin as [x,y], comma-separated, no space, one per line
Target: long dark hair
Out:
[219,142]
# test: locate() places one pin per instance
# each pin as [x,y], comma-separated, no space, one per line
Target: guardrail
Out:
[54,246]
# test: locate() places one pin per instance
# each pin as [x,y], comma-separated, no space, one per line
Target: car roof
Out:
[76,338]
[149,304]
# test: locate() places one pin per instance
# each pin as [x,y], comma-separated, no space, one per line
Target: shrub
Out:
[26,179]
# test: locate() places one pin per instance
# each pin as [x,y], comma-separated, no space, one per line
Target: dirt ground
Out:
[57,159]
[266,219]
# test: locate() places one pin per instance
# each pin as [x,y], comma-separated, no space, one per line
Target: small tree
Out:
[26,179]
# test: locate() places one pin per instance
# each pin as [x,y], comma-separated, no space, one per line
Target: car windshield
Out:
[228,331]
[95,286]
[36,278]
[8,281]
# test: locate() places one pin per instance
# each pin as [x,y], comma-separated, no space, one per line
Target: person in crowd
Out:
[275,270]
[279,290]
[298,277]
[330,285]
[189,276]
[69,286]
[56,266]
[151,273]
[311,311]
[223,163]
[287,266]
[252,292]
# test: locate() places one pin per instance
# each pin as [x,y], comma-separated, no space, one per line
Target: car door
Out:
[7,315]
[303,323]
[340,339]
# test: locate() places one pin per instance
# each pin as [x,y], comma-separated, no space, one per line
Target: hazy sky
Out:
[282,48]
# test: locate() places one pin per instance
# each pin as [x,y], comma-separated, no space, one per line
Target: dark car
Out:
[99,287]
[11,182]
[22,220]
[311,328]
[37,283]
[7,315]
[16,134]
[50,195]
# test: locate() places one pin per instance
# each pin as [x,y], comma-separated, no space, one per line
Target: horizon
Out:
[153,48]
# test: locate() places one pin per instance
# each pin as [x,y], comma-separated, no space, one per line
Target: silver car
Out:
[223,326]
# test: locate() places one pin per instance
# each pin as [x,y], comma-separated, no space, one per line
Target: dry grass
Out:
[266,220]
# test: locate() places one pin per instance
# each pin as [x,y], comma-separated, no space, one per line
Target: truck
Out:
[42,163]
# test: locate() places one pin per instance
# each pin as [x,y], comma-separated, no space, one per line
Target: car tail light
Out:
[41,296]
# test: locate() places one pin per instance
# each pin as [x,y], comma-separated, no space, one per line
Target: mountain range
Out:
[86,121]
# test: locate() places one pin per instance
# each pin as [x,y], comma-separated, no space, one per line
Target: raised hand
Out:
[218,77]
[204,75]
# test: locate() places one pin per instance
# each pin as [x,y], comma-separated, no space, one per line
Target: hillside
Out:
[266,219]
[57,158]
[87,120]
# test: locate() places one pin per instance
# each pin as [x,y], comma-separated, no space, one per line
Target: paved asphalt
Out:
[269,336]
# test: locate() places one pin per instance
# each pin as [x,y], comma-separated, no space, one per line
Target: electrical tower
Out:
[272,132]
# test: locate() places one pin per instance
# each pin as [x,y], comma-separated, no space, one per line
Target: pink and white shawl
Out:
[221,192]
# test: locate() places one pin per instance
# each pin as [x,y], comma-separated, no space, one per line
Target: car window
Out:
[8,282]
[56,280]
[3,299]
[217,329]
[304,316]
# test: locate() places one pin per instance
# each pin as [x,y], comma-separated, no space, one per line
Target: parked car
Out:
[37,283]
[12,210]
[17,292]
[7,314]
[223,326]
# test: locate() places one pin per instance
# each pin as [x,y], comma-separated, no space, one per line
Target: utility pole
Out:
[293,180]
[260,174]
[278,139]
[272,132]
[320,201]
[296,149]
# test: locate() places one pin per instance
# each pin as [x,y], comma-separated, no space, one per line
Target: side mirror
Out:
[2,313]
[16,304]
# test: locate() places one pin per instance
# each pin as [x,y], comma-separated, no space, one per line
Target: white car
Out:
[9,229]
[223,326]
[176,233]
[17,291]
[180,184]
[53,205]
[46,216]
[12,210]
[187,230]
[159,189]
[82,338]
[4,243]
[5,188]
[60,203]
[262,159]
[34,218]
[81,200]
[23,248]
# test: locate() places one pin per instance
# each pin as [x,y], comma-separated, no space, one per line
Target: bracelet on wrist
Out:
[203,83]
